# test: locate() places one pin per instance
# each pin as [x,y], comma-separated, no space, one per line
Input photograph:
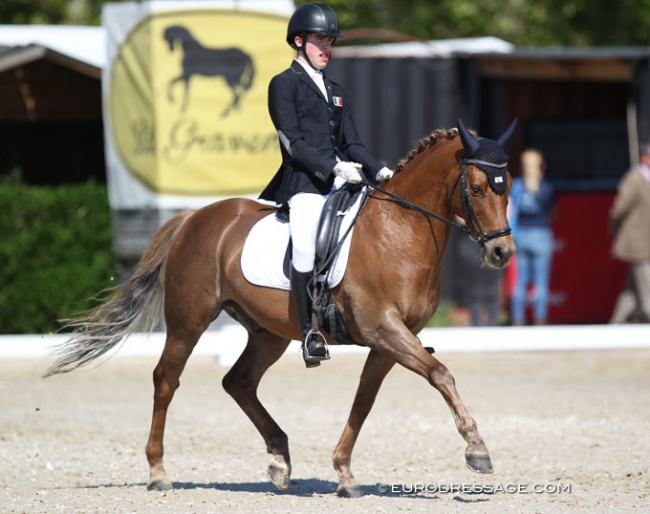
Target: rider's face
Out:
[318,48]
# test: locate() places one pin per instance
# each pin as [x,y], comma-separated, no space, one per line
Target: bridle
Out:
[471,216]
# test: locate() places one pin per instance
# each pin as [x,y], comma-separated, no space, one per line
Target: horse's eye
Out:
[477,190]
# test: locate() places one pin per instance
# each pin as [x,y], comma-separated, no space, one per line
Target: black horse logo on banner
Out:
[234,65]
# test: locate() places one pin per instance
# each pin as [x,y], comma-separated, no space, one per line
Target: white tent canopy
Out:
[86,44]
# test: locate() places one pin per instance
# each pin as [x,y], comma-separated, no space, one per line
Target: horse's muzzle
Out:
[497,252]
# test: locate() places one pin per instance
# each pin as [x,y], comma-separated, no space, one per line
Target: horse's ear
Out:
[469,143]
[508,134]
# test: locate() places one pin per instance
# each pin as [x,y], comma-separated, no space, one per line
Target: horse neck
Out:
[428,178]
[190,43]
[426,182]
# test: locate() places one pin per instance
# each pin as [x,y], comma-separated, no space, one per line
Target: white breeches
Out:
[304,213]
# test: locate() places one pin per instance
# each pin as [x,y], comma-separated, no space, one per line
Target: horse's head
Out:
[480,194]
[176,33]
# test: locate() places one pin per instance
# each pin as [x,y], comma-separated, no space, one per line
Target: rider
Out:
[320,147]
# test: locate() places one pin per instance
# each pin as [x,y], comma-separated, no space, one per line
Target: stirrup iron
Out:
[312,361]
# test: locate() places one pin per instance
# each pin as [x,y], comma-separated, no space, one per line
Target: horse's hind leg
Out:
[374,371]
[230,106]
[236,90]
[263,349]
[166,378]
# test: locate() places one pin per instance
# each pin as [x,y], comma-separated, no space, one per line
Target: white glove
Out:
[384,174]
[348,171]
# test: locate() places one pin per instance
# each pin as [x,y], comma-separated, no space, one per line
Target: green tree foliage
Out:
[51,12]
[55,250]
[521,22]
[27,12]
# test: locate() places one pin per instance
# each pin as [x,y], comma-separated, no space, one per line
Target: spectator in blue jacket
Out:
[532,211]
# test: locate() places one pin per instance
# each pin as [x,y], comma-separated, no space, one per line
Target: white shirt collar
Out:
[310,71]
[315,75]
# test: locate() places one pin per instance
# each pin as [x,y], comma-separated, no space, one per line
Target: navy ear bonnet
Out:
[491,159]
[488,155]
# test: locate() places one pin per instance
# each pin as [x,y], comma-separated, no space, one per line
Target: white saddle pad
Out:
[266,246]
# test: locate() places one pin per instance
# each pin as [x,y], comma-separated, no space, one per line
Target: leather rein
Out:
[471,216]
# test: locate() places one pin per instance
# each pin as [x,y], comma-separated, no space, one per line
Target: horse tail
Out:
[135,303]
[246,79]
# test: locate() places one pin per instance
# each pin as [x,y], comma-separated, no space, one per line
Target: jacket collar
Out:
[299,70]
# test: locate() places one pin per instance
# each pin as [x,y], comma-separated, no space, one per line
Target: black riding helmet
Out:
[312,18]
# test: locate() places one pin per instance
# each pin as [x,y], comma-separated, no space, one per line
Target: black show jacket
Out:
[313,132]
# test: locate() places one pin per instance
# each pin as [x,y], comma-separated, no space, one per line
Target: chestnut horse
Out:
[390,290]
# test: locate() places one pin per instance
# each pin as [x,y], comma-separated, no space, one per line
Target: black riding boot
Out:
[314,348]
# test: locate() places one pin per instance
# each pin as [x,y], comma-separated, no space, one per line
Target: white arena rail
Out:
[227,341]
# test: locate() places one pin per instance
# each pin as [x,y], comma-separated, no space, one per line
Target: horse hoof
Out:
[479,463]
[349,491]
[280,475]
[159,485]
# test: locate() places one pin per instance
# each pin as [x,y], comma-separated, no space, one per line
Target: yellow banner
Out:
[188,100]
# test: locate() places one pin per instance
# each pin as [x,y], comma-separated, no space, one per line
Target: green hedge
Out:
[55,253]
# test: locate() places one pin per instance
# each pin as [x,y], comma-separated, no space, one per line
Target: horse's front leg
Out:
[186,93]
[374,371]
[241,382]
[170,87]
[400,344]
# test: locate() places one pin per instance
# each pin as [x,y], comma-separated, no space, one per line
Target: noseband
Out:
[471,216]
